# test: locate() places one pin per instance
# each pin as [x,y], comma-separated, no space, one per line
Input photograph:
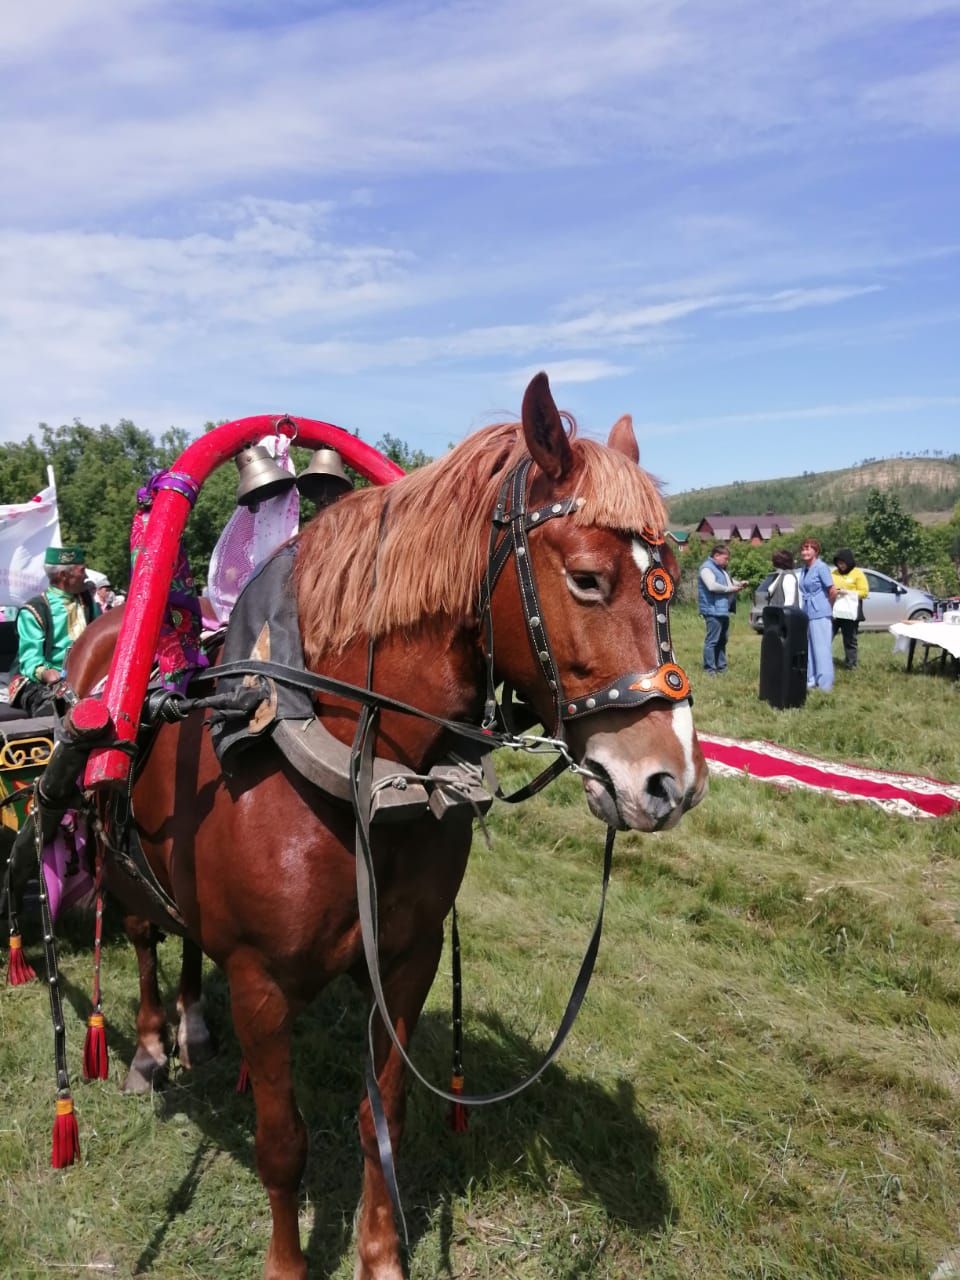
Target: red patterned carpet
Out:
[902,793]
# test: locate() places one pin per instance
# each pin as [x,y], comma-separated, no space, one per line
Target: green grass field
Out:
[764,1082]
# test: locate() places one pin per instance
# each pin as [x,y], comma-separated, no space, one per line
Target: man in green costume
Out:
[48,625]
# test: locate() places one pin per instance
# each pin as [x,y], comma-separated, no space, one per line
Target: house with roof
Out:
[753,529]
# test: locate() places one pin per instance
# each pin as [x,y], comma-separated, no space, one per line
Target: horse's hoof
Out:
[136,1082]
[146,1073]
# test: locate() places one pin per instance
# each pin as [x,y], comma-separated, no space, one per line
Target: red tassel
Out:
[95,1064]
[457,1118]
[66,1136]
[243,1079]
[18,970]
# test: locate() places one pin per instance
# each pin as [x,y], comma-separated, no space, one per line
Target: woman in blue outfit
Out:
[817,594]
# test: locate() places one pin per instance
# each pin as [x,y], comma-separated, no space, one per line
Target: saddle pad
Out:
[264,625]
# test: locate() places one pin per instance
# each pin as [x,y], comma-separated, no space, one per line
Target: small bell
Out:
[324,479]
[260,477]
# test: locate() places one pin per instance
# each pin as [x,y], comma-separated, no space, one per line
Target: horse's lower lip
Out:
[602,796]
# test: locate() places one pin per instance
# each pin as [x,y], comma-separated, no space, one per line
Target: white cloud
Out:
[602,330]
[764,418]
[568,372]
[267,287]
[798,299]
[139,100]
[207,200]
[930,99]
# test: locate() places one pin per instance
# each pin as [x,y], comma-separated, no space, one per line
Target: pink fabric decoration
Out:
[250,537]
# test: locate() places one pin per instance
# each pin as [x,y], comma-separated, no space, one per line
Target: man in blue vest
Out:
[47,626]
[715,590]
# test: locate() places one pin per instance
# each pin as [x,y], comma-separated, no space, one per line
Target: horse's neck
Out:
[436,668]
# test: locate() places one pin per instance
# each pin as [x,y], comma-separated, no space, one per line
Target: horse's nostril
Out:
[664,787]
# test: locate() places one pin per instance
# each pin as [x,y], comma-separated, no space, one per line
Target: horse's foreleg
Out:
[149,1064]
[263,1017]
[194,1042]
[405,988]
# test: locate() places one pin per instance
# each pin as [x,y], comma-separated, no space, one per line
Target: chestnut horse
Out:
[261,863]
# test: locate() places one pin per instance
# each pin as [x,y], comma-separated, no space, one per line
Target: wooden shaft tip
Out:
[89,716]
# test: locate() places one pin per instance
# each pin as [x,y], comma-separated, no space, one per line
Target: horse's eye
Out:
[587,586]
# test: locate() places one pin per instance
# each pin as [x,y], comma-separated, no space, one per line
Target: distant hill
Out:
[923,485]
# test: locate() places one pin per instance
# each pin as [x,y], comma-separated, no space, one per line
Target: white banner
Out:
[26,530]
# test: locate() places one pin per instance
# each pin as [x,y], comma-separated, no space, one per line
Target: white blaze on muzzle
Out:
[683,728]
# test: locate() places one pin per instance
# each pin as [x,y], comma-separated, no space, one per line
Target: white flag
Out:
[26,530]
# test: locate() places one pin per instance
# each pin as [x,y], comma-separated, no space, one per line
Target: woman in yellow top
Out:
[852,590]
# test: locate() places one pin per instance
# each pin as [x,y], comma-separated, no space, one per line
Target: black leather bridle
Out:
[512,521]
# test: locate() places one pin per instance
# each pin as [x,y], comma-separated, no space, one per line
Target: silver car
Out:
[888,602]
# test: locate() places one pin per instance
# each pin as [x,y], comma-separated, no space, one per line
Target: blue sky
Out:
[736,221]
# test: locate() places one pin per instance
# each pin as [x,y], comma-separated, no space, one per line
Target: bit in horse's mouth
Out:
[602,794]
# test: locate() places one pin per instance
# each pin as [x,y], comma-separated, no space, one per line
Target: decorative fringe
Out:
[18,969]
[66,1136]
[95,1063]
[243,1079]
[457,1118]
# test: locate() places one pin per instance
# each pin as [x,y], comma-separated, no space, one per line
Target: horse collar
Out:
[510,526]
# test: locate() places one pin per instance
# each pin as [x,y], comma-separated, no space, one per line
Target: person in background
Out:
[817,594]
[785,583]
[852,590]
[47,625]
[715,591]
[104,597]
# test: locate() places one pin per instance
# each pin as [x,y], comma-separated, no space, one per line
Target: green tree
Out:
[23,471]
[846,531]
[97,472]
[891,538]
[99,469]
[399,451]
[938,563]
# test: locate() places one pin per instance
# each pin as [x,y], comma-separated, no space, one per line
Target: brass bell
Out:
[260,477]
[324,479]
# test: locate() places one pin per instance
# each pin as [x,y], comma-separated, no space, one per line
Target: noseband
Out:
[511,523]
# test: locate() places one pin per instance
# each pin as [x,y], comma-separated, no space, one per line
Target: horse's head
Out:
[592,644]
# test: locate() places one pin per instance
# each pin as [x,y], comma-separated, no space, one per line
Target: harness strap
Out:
[530,597]
[534,786]
[489,739]
[508,531]
[50,955]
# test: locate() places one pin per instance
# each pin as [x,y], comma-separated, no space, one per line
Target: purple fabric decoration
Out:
[66,866]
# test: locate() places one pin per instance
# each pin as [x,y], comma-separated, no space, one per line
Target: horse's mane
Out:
[428,532]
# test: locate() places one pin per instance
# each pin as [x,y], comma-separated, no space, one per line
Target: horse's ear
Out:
[623,440]
[543,430]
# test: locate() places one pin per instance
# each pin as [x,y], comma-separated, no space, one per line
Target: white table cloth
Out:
[945,635]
